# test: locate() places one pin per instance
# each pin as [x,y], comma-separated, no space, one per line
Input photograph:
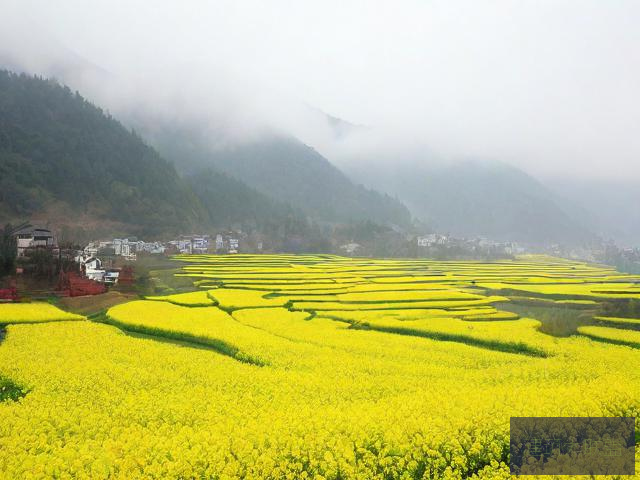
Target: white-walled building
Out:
[92,268]
[432,239]
[31,237]
[234,245]
[219,242]
[350,248]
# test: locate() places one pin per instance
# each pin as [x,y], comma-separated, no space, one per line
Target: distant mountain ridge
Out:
[614,206]
[474,198]
[467,205]
[65,160]
[281,168]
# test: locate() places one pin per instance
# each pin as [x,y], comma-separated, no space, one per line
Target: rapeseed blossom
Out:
[418,383]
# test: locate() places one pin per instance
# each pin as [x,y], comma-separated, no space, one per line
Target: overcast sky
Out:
[551,86]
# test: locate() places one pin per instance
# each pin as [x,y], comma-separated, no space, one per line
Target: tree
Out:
[42,263]
[8,250]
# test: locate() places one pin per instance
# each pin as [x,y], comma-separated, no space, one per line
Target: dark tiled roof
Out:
[31,230]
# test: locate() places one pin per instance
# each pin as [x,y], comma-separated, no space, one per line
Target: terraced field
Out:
[305,366]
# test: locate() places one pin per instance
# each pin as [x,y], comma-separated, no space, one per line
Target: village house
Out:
[350,248]
[182,246]
[512,248]
[234,245]
[91,250]
[111,276]
[92,268]
[32,238]
[150,247]
[191,244]
[432,239]
[219,242]
[125,248]
[423,241]
[228,242]
[199,243]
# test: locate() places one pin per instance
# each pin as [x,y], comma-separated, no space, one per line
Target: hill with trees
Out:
[474,198]
[63,155]
[65,160]
[280,167]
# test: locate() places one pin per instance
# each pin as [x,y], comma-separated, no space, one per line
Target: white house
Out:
[91,250]
[111,277]
[200,244]
[351,248]
[124,248]
[219,242]
[183,246]
[512,248]
[93,270]
[32,238]
[432,239]
[234,244]
[150,247]
[117,246]
[92,263]
[424,241]
[192,244]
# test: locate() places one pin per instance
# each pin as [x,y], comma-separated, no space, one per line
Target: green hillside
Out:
[65,160]
[228,201]
[282,168]
[62,155]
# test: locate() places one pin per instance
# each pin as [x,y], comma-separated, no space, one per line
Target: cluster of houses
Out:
[439,245]
[478,244]
[129,249]
[30,239]
[626,259]
[228,242]
[123,247]
[351,248]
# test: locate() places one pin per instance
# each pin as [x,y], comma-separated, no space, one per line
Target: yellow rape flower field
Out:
[33,313]
[317,366]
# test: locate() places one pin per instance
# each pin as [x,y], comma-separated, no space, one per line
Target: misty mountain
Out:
[615,205]
[482,199]
[230,202]
[64,160]
[339,128]
[61,154]
[279,167]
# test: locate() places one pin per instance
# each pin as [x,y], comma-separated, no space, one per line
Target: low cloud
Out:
[550,86]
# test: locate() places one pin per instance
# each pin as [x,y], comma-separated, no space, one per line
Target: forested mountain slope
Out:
[282,168]
[67,161]
[58,150]
[473,198]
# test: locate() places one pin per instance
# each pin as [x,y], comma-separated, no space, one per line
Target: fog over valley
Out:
[339,240]
[410,98]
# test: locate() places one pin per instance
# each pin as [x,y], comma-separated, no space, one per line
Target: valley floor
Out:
[284,366]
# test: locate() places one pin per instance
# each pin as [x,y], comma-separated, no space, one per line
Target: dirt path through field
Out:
[90,304]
